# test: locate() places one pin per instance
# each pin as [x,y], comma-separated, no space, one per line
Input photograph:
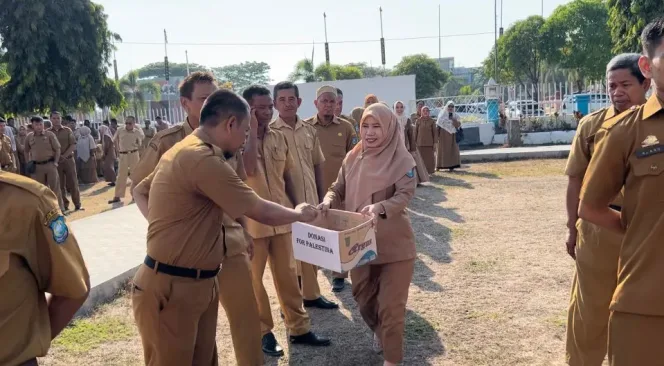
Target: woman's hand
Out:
[324,207]
[373,211]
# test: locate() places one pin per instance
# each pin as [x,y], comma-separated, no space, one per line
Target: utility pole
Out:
[500,31]
[115,62]
[542,8]
[327,45]
[186,56]
[439,37]
[495,39]
[382,39]
[167,74]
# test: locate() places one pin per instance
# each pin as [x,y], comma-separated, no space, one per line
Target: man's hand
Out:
[253,123]
[250,247]
[324,207]
[571,243]
[307,212]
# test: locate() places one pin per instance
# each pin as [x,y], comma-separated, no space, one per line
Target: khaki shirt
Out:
[268,179]
[43,146]
[425,132]
[66,139]
[162,142]
[6,154]
[189,191]
[336,140]
[583,145]
[395,239]
[354,123]
[126,140]
[409,134]
[148,134]
[630,155]
[38,254]
[304,147]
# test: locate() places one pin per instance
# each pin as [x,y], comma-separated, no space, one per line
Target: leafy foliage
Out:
[53,66]
[110,95]
[134,90]
[579,38]
[429,77]
[245,74]
[303,71]
[325,72]
[627,18]
[369,71]
[156,70]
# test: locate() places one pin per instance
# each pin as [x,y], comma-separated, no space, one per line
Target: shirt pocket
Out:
[648,172]
[278,154]
[338,149]
[309,142]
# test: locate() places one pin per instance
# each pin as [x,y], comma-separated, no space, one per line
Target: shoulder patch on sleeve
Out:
[354,140]
[411,173]
[56,222]
[613,121]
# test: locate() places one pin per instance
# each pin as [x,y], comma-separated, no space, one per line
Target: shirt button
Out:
[653,167]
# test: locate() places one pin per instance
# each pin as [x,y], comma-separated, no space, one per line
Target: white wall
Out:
[539,138]
[388,89]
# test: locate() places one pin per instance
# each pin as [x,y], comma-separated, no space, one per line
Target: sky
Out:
[222,32]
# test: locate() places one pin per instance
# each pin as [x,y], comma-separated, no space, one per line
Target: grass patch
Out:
[483,315]
[521,168]
[86,334]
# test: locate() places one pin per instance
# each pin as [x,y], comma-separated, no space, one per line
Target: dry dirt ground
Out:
[94,199]
[491,283]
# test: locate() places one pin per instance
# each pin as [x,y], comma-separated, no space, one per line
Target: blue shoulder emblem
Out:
[59,229]
[354,141]
[411,173]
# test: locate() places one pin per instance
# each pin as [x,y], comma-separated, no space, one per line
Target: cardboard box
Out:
[339,242]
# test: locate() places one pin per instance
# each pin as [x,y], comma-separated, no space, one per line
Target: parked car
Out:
[597,101]
[524,108]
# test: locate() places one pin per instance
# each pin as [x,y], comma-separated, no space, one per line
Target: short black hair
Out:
[36,119]
[2,120]
[339,92]
[86,122]
[114,120]
[69,118]
[105,122]
[10,119]
[221,105]
[188,83]
[652,36]
[254,90]
[627,61]
[158,117]
[286,85]
[54,112]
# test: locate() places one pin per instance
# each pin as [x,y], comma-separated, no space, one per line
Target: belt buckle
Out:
[198,274]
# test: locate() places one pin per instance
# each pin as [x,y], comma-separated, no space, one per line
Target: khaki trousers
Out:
[381,293]
[309,276]
[47,174]
[176,318]
[69,182]
[278,250]
[594,282]
[238,300]
[636,340]
[126,165]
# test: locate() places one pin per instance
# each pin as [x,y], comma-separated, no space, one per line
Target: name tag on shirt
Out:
[649,151]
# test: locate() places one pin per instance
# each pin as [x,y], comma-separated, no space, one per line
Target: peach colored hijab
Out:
[369,100]
[370,170]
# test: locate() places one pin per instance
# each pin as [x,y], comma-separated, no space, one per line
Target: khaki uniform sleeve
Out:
[216,180]
[337,192]
[143,187]
[54,142]
[146,164]
[317,153]
[352,139]
[405,190]
[72,139]
[62,270]
[579,155]
[608,167]
[239,169]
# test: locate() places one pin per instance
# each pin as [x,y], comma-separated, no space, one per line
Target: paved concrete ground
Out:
[113,242]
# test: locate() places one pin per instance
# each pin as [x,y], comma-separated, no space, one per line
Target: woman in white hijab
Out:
[85,156]
[408,137]
[448,156]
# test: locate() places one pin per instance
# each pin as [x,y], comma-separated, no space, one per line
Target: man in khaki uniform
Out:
[268,165]
[46,259]
[337,137]
[630,156]
[339,108]
[8,161]
[235,276]
[307,174]
[43,148]
[148,132]
[128,141]
[67,163]
[596,249]
[184,200]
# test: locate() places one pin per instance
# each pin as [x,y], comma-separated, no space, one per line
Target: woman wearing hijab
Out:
[426,137]
[356,116]
[377,178]
[85,156]
[408,128]
[20,148]
[369,100]
[448,156]
[108,147]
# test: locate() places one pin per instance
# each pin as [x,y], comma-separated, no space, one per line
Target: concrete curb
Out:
[511,155]
[105,292]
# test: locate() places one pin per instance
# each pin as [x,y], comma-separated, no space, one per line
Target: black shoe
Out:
[321,303]
[66,208]
[114,200]
[78,208]
[271,347]
[310,339]
[338,284]
[112,184]
[282,315]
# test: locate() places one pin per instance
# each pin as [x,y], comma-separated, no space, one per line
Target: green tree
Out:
[244,74]
[579,39]
[53,66]
[156,70]
[303,71]
[370,71]
[627,18]
[134,90]
[429,77]
[451,87]
[110,95]
[348,72]
[325,72]
[466,90]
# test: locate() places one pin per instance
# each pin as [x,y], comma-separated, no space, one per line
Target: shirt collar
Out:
[187,127]
[335,120]
[652,106]
[610,112]
[279,123]
[207,139]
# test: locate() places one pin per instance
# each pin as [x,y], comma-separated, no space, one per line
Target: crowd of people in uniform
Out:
[220,191]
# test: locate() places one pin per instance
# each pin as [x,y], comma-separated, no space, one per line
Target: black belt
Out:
[617,208]
[4,167]
[45,161]
[128,152]
[179,271]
